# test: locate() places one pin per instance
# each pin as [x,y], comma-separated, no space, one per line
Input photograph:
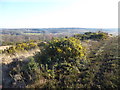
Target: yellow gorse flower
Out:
[69,48]
[59,50]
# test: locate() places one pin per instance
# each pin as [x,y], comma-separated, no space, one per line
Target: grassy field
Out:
[32,33]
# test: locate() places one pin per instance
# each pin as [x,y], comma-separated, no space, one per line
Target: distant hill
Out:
[18,31]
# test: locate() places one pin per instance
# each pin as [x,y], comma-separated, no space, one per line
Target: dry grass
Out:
[4,47]
[38,84]
[6,59]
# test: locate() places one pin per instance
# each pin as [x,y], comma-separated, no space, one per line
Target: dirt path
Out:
[6,59]
[4,47]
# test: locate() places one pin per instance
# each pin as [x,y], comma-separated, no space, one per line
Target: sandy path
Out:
[6,59]
[4,47]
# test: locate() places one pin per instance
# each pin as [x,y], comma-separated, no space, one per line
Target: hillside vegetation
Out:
[88,60]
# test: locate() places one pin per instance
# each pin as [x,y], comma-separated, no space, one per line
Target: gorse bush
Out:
[61,59]
[20,47]
[61,50]
[91,35]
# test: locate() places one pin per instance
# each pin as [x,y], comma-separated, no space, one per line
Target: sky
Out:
[58,13]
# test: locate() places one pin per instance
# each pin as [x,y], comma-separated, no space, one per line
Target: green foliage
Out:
[7,43]
[62,50]
[24,72]
[61,59]
[1,51]
[20,47]
[32,45]
[105,66]
[63,62]
[31,70]
[91,35]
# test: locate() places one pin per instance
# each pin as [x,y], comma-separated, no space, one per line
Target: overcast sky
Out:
[58,13]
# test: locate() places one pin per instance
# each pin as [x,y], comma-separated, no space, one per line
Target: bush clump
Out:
[20,47]
[61,59]
[91,35]
[24,73]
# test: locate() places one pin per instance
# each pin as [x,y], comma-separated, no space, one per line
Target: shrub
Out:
[90,35]
[60,59]
[20,47]
[31,70]
[25,73]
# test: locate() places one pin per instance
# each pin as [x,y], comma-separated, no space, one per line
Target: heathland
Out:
[59,58]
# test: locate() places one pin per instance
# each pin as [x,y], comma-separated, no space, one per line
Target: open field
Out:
[33,33]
